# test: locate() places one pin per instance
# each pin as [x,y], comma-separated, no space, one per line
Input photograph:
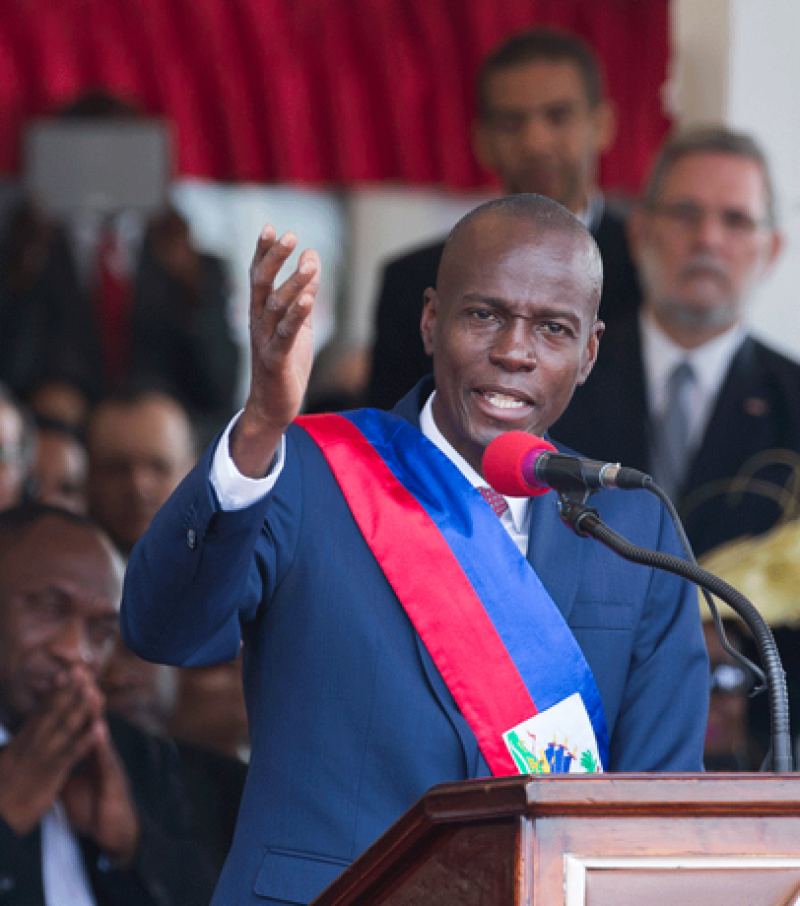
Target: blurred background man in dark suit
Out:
[543,122]
[683,391]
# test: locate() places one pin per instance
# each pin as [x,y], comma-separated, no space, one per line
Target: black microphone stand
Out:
[585,521]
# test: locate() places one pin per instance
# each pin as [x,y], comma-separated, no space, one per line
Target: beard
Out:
[688,315]
[681,310]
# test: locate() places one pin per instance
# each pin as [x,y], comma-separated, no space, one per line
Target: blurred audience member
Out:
[198,706]
[92,811]
[141,692]
[729,745]
[60,466]
[543,122]
[59,401]
[686,392]
[112,297]
[140,446]
[17,445]
[209,709]
[211,767]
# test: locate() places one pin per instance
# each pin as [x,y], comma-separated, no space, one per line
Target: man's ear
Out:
[776,245]
[427,324]
[591,351]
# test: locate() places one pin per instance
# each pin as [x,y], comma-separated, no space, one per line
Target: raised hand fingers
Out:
[277,313]
[282,345]
[289,306]
[270,255]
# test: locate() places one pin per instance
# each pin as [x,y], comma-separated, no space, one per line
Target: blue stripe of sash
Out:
[531,626]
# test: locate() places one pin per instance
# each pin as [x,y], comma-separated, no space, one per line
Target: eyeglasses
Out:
[729,679]
[690,216]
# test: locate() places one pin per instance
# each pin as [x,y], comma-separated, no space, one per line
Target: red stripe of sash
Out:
[433,589]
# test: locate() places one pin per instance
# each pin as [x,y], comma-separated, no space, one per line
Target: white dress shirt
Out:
[710,363]
[235,491]
[64,876]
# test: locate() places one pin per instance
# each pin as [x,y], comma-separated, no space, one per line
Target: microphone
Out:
[517,464]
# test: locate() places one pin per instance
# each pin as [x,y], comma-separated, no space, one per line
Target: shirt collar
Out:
[517,506]
[710,361]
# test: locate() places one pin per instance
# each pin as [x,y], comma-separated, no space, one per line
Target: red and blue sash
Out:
[500,643]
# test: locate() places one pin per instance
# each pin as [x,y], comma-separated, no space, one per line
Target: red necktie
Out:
[496,501]
[112,305]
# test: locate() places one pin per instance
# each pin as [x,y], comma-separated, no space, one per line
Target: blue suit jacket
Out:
[351,723]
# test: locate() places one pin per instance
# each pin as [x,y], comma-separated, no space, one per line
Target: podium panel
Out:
[588,840]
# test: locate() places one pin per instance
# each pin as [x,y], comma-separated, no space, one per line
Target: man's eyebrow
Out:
[508,307]
[486,300]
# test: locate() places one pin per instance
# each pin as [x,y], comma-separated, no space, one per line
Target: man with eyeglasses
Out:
[682,390]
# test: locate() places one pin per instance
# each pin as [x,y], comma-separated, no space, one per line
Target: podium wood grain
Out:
[588,840]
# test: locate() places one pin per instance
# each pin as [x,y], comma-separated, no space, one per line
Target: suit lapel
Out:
[627,358]
[745,432]
[551,545]
[474,761]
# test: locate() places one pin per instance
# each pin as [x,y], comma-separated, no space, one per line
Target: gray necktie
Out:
[670,453]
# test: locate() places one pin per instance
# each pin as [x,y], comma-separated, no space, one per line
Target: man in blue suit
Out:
[370,583]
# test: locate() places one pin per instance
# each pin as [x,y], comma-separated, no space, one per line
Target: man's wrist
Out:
[233,490]
[253,446]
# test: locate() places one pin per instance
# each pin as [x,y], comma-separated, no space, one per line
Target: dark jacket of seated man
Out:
[170,869]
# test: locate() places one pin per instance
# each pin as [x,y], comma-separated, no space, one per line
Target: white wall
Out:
[384,223]
[736,61]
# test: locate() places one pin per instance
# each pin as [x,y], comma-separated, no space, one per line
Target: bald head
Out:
[540,218]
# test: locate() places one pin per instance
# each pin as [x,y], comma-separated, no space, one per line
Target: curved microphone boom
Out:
[518,464]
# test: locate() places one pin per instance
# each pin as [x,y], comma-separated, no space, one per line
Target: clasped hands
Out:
[63,751]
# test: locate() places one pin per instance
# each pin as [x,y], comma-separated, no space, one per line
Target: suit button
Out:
[191,539]
[7,883]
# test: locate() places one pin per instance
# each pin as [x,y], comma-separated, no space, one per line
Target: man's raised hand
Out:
[282,349]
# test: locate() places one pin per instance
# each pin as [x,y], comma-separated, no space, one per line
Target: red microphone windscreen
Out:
[503,460]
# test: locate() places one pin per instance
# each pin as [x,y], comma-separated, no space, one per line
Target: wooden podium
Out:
[588,840]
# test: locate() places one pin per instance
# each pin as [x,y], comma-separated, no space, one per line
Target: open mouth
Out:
[503,401]
[499,402]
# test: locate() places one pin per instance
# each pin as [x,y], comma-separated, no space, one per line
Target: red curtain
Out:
[324,92]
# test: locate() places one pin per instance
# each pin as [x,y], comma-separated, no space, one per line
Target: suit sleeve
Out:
[662,720]
[198,573]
